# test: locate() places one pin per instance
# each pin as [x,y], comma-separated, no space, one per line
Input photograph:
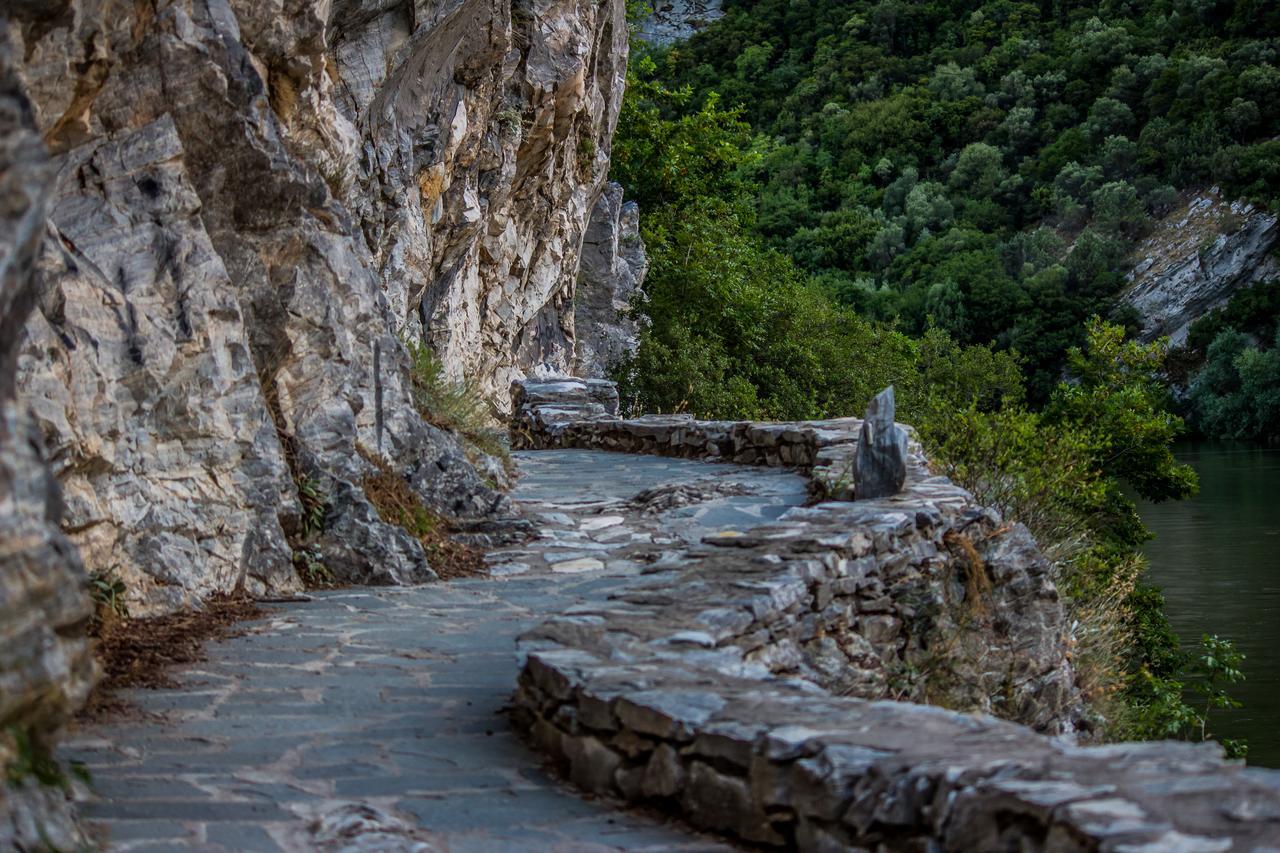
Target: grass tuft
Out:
[455,406]
[397,503]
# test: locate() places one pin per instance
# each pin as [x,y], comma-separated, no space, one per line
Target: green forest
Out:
[944,196]
[985,168]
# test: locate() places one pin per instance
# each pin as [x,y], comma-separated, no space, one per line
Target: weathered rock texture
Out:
[724,683]
[255,203]
[612,274]
[677,20]
[1196,258]
[880,466]
[46,668]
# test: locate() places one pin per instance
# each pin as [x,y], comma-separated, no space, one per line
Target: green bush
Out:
[1236,394]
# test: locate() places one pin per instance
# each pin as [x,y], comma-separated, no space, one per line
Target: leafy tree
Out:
[1237,393]
[819,181]
[1117,401]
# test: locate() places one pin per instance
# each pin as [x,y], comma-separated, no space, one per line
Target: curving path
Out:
[370,719]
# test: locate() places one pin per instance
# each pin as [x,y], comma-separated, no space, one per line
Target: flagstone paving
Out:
[371,719]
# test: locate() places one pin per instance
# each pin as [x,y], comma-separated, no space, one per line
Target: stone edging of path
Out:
[583,413]
[682,690]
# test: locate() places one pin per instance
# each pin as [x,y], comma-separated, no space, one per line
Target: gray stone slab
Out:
[144,830]
[205,810]
[241,836]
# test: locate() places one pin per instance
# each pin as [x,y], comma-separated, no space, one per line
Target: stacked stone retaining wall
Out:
[723,685]
[583,413]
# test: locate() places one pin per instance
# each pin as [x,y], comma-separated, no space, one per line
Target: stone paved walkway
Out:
[370,719]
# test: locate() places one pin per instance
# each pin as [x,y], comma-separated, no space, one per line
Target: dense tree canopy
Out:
[986,166]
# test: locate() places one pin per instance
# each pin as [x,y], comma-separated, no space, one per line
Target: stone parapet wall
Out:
[740,683]
[570,412]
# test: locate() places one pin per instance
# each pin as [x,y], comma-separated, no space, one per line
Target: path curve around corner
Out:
[371,718]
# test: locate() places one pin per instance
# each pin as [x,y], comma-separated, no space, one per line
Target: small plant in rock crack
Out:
[904,679]
[510,121]
[454,405]
[586,154]
[31,759]
[314,506]
[311,567]
[107,592]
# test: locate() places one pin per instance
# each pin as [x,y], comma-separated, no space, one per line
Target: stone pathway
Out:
[371,718]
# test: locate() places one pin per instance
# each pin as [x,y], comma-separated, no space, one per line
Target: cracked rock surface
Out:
[1196,258]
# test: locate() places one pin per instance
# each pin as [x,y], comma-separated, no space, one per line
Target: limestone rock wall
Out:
[490,124]
[255,204]
[1196,258]
[610,280]
[46,668]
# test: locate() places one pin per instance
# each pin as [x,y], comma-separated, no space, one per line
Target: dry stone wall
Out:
[572,412]
[740,684]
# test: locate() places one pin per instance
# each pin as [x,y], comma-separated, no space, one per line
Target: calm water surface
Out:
[1217,558]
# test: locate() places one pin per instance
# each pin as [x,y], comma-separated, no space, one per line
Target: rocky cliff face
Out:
[1196,258]
[46,667]
[611,278]
[677,20]
[255,204]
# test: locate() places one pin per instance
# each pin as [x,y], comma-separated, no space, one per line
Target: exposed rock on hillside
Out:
[1196,258]
[677,20]
[46,667]
[614,264]
[254,204]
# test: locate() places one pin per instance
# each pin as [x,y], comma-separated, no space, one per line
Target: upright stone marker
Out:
[880,467]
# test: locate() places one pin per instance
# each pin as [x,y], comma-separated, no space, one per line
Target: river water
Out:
[1217,559]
